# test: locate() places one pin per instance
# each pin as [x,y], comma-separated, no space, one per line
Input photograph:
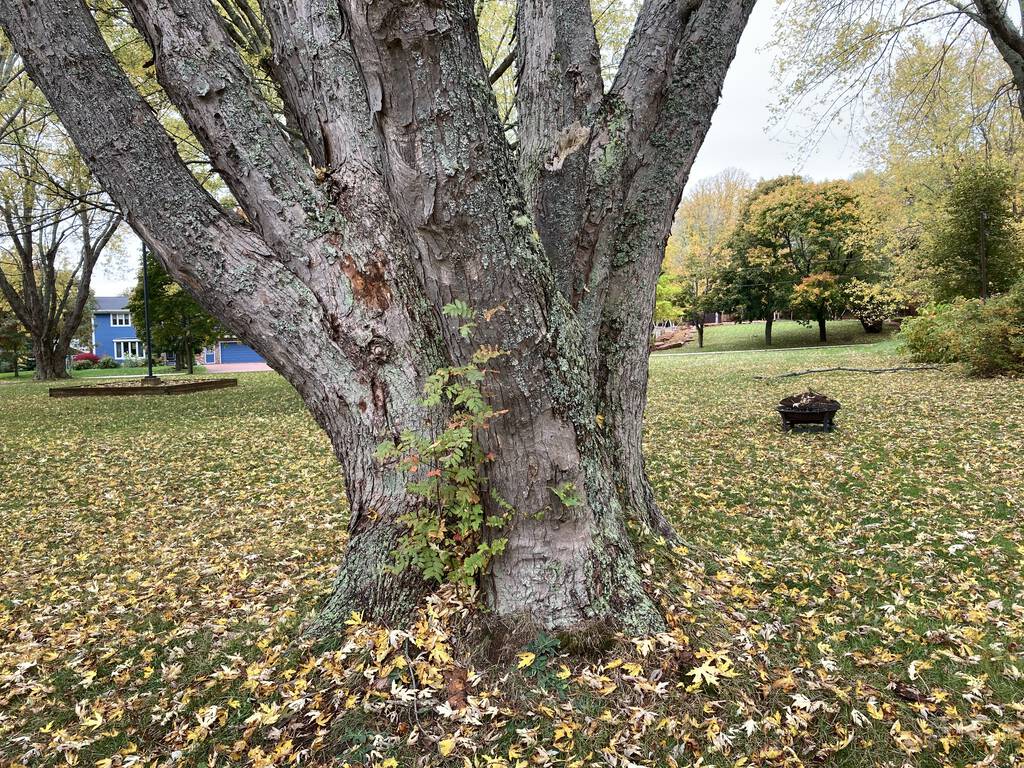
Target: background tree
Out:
[758,281]
[973,245]
[178,324]
[834,53]
[669,301]
[872,303]
[696,252]
[56,225]
[818,296]
[407,195]
[810,229]
[14,342]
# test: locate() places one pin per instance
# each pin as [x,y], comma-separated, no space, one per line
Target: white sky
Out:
[740,137]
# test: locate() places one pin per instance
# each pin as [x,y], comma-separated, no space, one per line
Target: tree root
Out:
[900,368]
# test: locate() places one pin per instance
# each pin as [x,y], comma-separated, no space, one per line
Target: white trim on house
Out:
[120,319]
[119,347]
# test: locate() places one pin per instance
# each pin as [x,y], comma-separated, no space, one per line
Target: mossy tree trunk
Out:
[409,196]
[51,361]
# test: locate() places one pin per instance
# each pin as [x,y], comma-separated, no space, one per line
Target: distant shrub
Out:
[82,365]
[86,356]
[986,337]
[872,303]
[106,362]
[133,362]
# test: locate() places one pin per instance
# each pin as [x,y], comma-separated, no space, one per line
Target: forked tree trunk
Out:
[412,198]
[51,362]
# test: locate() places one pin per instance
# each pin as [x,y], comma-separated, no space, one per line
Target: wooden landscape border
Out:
[115,390]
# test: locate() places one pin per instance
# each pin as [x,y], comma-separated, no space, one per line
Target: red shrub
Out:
[86,356]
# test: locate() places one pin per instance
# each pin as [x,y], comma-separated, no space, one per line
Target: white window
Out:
[120,319]
[127,348]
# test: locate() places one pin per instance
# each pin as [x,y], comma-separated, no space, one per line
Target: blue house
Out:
[114,334]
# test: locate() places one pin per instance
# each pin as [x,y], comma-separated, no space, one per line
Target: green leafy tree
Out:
[15,343]
[669,303]
[794,229]
[178,323]
[757,281]
[818,297]
[973,246]
[696,253]
[872,303]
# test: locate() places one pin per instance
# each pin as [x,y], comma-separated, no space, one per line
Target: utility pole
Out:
[983,253]
[150,378]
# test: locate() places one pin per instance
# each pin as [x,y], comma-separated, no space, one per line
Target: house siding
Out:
[230,351]
[105,334]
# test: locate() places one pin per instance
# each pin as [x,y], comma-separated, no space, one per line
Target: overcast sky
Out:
[740,137]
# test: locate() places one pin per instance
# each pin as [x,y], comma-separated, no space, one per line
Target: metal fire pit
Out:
[808,410]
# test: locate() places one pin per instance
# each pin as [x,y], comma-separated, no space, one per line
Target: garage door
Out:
[237,352]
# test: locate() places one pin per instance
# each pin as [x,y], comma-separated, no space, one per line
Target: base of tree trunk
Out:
[366,584]
[50,368]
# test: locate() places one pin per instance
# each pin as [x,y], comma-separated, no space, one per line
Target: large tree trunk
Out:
[414,200]
[822,328]
[51,361]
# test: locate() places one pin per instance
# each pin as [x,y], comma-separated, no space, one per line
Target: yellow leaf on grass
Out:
[446,746]
[526,658]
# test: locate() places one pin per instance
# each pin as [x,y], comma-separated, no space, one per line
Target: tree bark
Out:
[50,361]
[822,330]
[700,335]
[768,329]
[412,200]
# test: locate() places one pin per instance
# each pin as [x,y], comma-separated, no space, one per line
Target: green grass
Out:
[92,373]
[735,337]
[159,555]
[136,371]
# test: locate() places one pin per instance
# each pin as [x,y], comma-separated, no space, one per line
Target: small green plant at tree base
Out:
[447,537]
[567,494]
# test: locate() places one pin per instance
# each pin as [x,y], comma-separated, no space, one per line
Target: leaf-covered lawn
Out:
[733,337]
[92,373]
[845,599]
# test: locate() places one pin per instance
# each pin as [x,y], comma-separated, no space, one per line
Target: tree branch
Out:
[503,66]
[206,79]
[558,94]
[320,82]
[224,265]
[896,369]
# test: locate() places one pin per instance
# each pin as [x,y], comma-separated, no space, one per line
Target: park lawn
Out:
[91,373]
[732,337]
[844,599]
[159,370]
